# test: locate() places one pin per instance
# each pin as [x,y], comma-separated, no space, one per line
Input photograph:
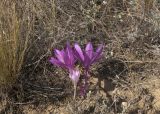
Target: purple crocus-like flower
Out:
[66,59]
[87,57]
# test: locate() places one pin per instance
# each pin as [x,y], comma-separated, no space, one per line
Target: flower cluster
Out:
[66,58]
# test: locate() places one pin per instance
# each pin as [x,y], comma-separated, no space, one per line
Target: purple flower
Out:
[88,56]
[65,58]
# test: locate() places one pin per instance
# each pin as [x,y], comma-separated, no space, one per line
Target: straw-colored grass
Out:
[12,46]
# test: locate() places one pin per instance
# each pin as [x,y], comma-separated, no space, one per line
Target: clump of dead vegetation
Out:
[13,42]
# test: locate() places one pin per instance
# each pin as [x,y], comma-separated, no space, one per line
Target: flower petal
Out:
[57,62]
[89,50]
[69,58]
[78,52]
[100,48]
[98,53]
[87,61]
[60,55]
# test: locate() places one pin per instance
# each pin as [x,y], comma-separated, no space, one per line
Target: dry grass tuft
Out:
[12,44]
